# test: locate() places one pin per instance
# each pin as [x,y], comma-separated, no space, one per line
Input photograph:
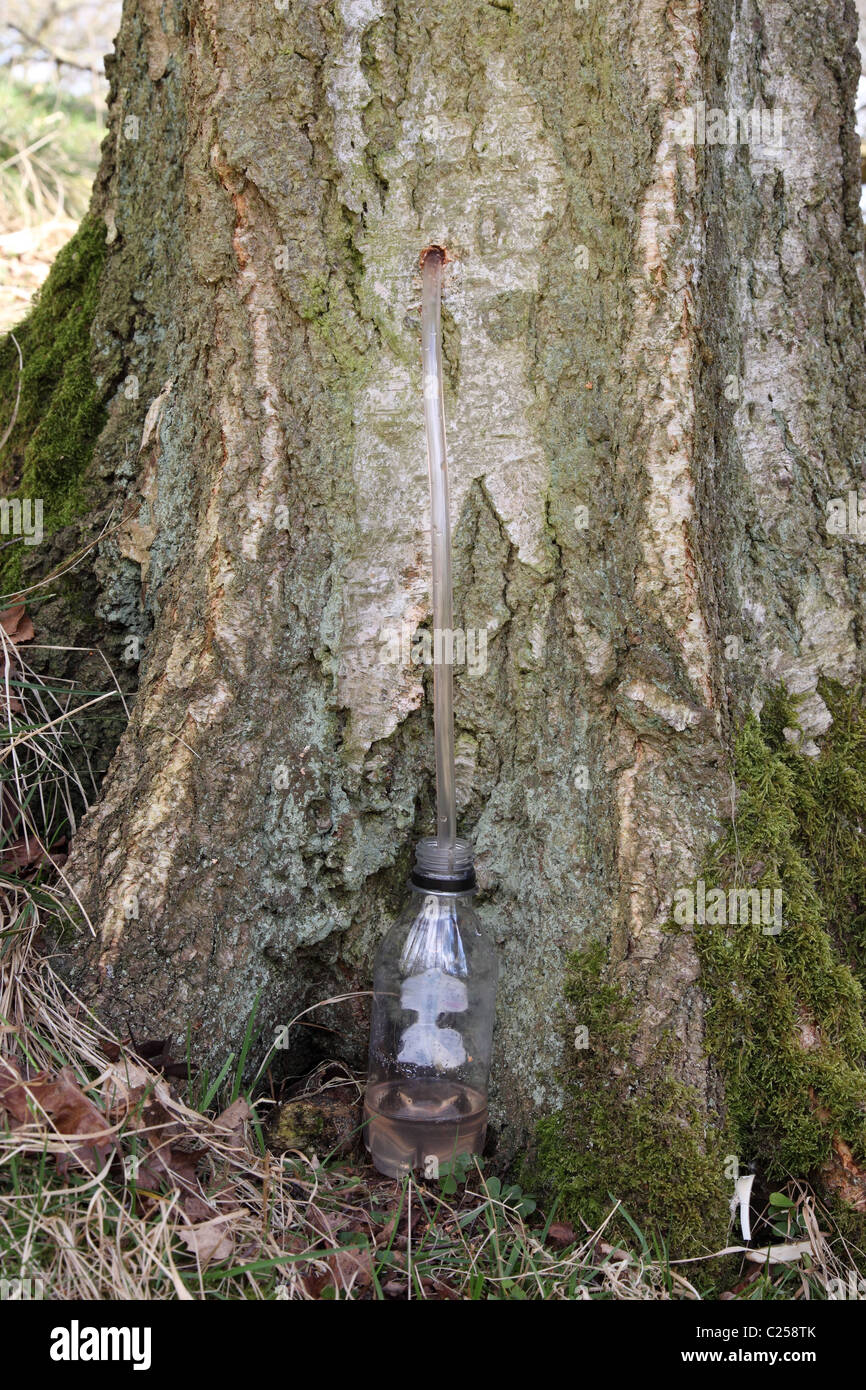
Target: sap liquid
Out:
[422,1124]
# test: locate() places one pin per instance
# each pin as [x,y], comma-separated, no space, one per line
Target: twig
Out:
[59,55]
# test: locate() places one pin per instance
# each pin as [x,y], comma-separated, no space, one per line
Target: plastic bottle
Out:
[434,992]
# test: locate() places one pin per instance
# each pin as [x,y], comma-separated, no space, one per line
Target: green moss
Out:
[60,412]
[648,1147]
[830,806]
[785,1018]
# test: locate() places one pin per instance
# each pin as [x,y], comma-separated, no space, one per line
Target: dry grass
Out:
[81,1210]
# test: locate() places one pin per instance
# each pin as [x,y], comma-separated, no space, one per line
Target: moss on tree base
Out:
[784,1021]
[649,1148]
[60,410]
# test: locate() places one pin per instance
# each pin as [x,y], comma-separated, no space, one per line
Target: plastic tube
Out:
[440,536]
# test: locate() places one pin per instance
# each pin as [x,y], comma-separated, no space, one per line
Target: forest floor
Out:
[115,1186]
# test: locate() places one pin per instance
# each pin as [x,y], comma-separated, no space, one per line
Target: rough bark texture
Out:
[669,335]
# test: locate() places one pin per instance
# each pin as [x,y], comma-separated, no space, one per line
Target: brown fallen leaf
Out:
[347,1270]
[210,1240]
[197,1208]
[157,1053]
[17,624]
[752,1277]
[433,1288]
[385,1233]
[14,1093]
[231,1124]
[126,1084]
[152,1049]
[71,1112]
[141,1098]
[560,1234]
[170,1163]
[329,1223]
[76,1116]
[22,854]
[314,1284]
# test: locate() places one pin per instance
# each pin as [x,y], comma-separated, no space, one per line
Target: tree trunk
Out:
[654,352]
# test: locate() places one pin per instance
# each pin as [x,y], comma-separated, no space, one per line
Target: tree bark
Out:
[655,370]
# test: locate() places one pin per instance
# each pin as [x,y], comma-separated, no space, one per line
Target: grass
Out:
[150,1198]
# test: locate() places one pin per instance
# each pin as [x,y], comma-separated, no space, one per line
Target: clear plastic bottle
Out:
[434,994]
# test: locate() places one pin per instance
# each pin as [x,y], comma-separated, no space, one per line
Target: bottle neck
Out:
[440,891]
[446,869]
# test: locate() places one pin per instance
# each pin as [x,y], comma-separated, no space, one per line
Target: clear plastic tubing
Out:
[440,535]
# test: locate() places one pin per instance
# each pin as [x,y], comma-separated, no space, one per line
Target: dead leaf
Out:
[350,1269]
[157,1053]
[75,1116]
[433,1288]
[385,1233]
[14,1095]
[126,1083]
[780,1254]
[197,1208]
[231,1123]
[560,1234]
[17,625]
[210,1240]
[22,854]
[71,1112]
[152,1049]
[176,1167]
[328,1223]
